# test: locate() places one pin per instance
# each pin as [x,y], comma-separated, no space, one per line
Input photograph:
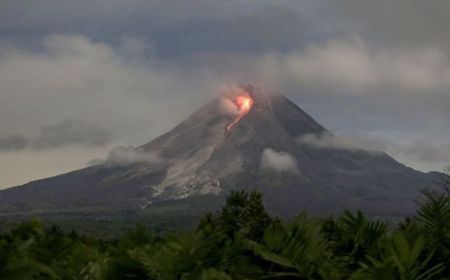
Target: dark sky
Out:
[78,78]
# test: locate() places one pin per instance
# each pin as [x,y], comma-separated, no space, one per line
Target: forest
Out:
[242,241]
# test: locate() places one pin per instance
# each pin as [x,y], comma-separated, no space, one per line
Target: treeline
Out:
[243,242]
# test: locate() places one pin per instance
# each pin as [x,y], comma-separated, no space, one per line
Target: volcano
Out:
[241,140]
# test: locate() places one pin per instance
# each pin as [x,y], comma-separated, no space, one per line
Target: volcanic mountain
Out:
[242,140]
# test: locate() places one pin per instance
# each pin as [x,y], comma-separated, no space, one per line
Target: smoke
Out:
[226,106]
[278,161]
[128,155]
[229,93]
[353,141]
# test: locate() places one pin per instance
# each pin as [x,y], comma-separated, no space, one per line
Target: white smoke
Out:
[227,107]
[278,161]
[228,93]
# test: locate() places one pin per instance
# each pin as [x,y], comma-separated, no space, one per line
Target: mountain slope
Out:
[201,160]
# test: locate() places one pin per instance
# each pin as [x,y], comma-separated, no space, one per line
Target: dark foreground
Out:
[242,242]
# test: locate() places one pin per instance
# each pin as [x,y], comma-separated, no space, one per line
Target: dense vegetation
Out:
[243,242]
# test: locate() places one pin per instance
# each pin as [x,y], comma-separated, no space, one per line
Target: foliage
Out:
[242,242]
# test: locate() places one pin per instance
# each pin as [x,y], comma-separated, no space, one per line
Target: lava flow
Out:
[243,104]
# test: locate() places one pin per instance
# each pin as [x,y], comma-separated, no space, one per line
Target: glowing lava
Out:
[243,104]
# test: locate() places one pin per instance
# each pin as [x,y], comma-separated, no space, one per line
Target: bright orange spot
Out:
[244,104]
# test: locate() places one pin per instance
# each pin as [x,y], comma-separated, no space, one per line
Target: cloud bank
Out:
[351,64]
[429,154]
[69,132]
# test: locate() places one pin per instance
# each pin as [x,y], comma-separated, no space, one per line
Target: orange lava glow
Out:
[243,104]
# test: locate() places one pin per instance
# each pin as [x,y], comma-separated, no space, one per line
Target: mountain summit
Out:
[244,139]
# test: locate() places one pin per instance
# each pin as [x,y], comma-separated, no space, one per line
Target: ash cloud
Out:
[278,161]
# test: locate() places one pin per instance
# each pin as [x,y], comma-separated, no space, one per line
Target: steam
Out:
[229,99]
[278,161]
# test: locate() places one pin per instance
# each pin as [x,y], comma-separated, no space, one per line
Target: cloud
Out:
[428,152]
[347,83]
[426,156]
[278,161]
[74,78]
[354,65]
[71,132]
[175,27]
[13,142]
[349,141]
[21,166]
[406,23]
[129,155]
[351,64]
[423,155]
[111,95]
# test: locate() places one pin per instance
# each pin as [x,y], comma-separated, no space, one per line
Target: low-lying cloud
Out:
[429,152]
[344,141]
[21,166]
[425,154]
[278,161]
[69,132]
[128,155]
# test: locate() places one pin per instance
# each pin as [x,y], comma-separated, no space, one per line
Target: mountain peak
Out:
[244,138]
[273,105]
